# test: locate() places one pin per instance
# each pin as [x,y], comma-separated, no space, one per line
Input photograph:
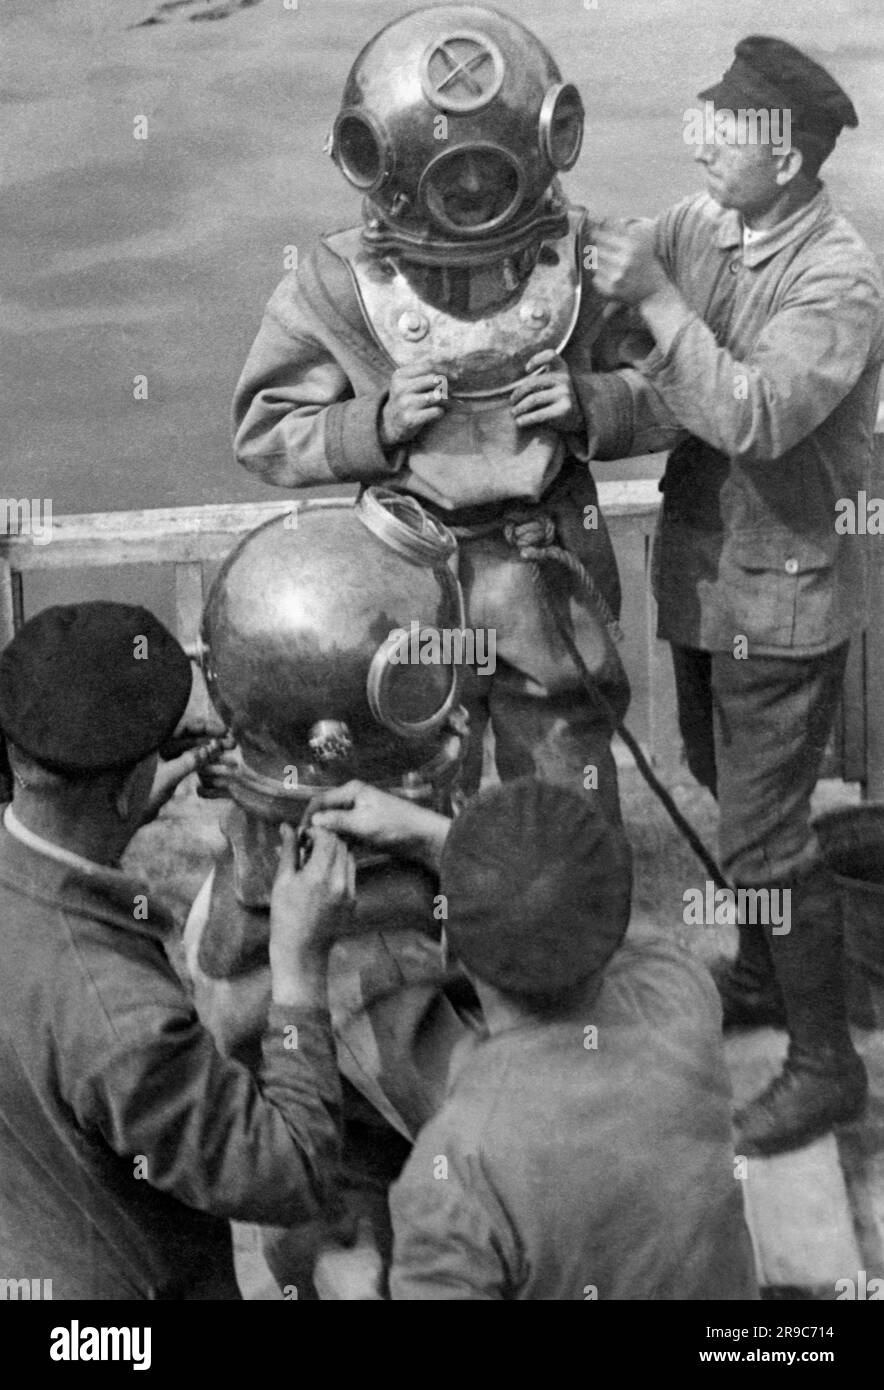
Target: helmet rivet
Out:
[413,325]
[534,314]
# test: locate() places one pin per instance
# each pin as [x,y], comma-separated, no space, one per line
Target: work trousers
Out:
[755,732]
[544,721]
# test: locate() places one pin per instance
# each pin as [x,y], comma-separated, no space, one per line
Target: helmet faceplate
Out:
[454,123]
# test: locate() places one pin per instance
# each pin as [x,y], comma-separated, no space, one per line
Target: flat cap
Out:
[770,73]
[88,687]
[538,885]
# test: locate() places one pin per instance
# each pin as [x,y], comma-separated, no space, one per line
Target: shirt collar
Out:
[53,851]
[768,242]
[106,886]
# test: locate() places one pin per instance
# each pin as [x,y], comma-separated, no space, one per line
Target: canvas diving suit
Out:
[409,285]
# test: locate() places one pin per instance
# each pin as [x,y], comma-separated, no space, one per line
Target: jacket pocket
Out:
[782,588]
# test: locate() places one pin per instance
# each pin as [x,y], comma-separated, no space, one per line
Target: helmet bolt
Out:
[534,314]
[413,325]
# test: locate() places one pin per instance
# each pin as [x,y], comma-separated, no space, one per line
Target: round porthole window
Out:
[474,188]
[561,125]
[360,150]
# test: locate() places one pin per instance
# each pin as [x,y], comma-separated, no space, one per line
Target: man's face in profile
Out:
[741,174]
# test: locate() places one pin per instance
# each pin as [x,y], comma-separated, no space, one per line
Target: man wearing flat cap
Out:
[126,1139]
[765,310]
[584,1146]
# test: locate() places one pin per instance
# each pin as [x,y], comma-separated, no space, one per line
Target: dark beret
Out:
[92,686]
[538,887]
[770,73]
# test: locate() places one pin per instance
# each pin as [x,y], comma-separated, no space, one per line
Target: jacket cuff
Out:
[353,446]
[308,1033]
[607,406]
[313,1018]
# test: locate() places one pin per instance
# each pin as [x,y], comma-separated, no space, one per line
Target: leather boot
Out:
[752,998]
[824,1081]
[750,995]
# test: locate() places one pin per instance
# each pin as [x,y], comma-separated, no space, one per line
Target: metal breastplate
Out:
[482,354]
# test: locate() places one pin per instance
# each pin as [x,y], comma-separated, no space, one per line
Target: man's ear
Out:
[126,793]
[789,165]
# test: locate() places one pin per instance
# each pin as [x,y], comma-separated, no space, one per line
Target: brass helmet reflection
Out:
[455,123]
[305,649]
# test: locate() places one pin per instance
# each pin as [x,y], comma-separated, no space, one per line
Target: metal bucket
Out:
[852,843]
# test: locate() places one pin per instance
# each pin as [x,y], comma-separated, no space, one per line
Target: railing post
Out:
[11,606]
[189,603]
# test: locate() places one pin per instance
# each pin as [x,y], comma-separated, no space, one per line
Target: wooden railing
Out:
[190,538]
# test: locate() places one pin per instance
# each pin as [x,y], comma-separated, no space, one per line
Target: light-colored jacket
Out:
[768,395]
[565,1165]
